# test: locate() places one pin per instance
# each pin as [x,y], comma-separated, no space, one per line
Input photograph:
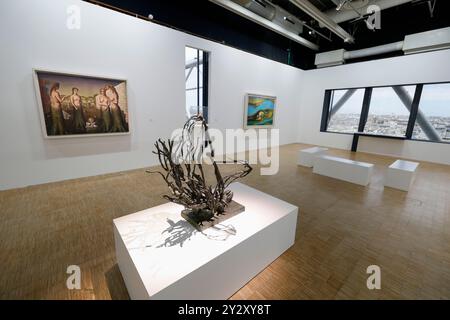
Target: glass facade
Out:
[388,115]
[418,112]
[345,110]
[196,71]
[434,110]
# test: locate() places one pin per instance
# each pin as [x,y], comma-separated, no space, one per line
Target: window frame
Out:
[205,65]
[415,107]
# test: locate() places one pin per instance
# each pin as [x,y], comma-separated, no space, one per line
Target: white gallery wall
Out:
[411,69]
[33,34]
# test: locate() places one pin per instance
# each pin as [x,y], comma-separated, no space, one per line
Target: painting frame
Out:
[40,105]
[246,105]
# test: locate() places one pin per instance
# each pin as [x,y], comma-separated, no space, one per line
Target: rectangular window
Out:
[345,110]
[197,78]
[414,111]
[389,110]
[433,118]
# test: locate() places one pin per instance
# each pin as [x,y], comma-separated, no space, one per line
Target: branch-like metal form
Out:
[183,170]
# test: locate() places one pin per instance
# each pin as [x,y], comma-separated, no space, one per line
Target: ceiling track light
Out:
[341,4]
[323,19]
[314,32]
[268,23]
[288,20]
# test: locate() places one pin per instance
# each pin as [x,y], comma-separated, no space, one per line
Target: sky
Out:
[435,101]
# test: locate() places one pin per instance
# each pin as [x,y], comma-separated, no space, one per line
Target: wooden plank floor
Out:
[342,229]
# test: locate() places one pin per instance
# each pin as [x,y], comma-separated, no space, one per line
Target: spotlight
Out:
[341,4]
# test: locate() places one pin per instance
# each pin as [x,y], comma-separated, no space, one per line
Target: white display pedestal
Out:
[306,156]
[344,169]
[161,256]
[400,174]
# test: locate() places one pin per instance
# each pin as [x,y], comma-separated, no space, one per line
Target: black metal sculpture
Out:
[205,205]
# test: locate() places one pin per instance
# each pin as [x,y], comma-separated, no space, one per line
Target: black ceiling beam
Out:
[208,20]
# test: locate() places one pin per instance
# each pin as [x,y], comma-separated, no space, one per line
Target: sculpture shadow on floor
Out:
[115,284]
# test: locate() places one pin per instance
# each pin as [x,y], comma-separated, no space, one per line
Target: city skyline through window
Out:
[346,118]
[386,111]
[435,108]
[388,115]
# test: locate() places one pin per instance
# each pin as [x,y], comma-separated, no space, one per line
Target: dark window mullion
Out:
[365,109]
[414,111]
[198,80]
[327,103]
[205,85]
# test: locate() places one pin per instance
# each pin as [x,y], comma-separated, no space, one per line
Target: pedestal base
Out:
[161,256]
[206,219]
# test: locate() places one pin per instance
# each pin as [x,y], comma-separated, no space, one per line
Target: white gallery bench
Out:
[400,174]
[306,156]
[344,169]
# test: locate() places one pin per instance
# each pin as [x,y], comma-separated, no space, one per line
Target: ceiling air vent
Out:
[438,39]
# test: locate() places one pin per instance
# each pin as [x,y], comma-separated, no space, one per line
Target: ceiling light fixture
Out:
[341,4]
[276,27]
[323,19]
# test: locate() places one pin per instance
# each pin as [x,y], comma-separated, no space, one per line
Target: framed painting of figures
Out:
[259,111]
[74,105]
